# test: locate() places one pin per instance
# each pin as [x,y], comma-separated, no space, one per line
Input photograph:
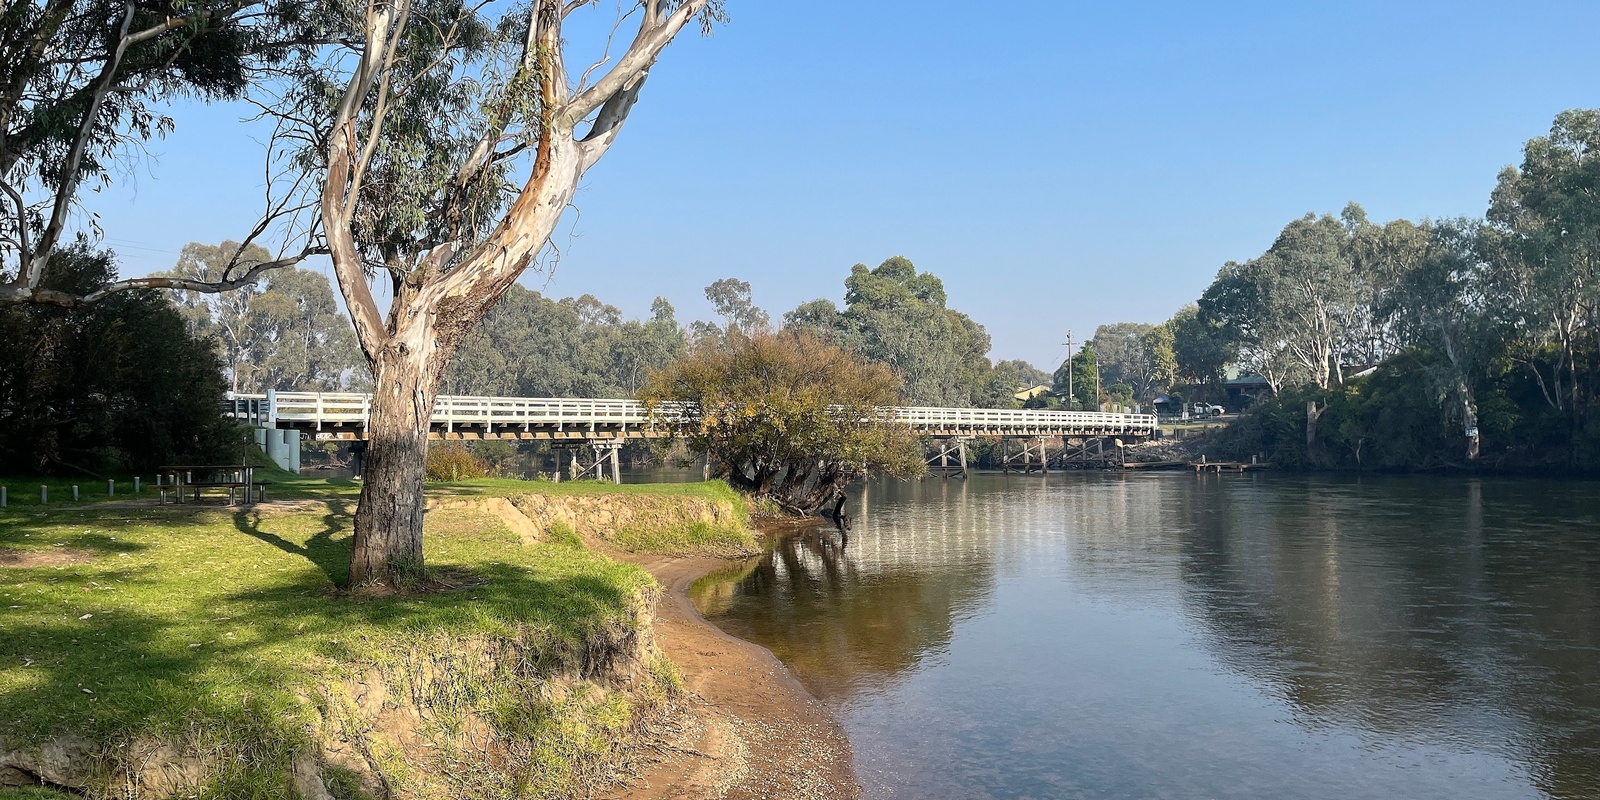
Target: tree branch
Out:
[336,211]
[655,34]
[15,294]
[31,272]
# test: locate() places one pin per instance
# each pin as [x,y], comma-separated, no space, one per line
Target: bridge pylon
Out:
[948,446]
[590,459]
[1093,452]
[1034,454]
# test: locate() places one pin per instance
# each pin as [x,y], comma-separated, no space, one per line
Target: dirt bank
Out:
[747,728]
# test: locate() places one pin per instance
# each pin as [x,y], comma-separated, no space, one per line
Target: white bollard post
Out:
[111,488]
[74,492]
[136,484]
[44,494]
[2,497]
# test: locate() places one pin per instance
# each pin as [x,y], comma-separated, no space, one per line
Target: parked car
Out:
[1202,410]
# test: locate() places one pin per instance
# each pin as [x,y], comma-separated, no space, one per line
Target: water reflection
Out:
[854,612]
[1416,611]
[1173,636]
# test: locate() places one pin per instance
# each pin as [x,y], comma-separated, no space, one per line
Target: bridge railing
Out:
[934,418]
[354,407]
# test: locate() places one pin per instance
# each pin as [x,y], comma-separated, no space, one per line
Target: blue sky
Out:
[1059,165]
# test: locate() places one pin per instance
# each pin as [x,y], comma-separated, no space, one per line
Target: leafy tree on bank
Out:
[1119,350]
[896,316]
[286,333]
[1136,355]
[121,385]
[788,417]
[1438,305]
[1491,327]
[1291,308]
[1159,361]
[1202,347]
[1542,242]
[1006,378]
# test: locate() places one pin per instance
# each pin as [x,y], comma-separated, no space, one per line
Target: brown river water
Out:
[1172,636]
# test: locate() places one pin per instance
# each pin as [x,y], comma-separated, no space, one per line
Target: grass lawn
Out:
[212,626]
[506,487]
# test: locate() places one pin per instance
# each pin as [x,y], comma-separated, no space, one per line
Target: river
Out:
[1172,636]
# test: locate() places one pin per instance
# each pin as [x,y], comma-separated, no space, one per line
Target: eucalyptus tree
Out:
[1118,348]
[532,346]
[284,333]
[1440,302]
[897,316]
[83,86]
[1543,246]
[639,347]
[1382,256]
[1137,354]
[454,141]
[1292,309]
[1159,359]
[1202,347]
[731,299]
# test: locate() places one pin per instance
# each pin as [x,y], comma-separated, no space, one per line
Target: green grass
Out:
[509,487]
[214,626]
[666,537]
[31,793]
[23,490]
[698,538]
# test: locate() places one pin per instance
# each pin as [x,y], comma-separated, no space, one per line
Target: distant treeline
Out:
[530,345]
[1413,345]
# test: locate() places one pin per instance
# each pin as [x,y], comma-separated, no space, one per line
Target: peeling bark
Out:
[456,282]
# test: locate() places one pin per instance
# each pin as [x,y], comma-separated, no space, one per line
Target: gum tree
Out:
[83,86]
[456,142]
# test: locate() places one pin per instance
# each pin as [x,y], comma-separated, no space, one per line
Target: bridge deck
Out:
[343,415]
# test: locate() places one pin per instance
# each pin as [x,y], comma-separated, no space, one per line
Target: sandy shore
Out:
[747,728]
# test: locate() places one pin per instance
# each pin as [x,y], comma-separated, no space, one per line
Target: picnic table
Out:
[238,479]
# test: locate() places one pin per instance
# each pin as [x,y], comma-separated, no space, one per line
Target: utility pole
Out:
[1097,382]
[1069,370]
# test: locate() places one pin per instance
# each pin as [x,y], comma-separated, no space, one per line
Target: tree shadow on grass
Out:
[328,554]
[109,655]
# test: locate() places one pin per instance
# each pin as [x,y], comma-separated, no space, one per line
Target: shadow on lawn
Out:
[109,650]
[122,674]
[328,554]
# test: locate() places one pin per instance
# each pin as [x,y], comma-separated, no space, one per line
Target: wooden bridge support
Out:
[1034,455]
[602,455]
[1096,452]
[947,447]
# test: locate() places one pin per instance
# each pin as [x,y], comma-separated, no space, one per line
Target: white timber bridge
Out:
[1088,439]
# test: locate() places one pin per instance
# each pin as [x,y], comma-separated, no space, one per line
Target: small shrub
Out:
[452,462]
